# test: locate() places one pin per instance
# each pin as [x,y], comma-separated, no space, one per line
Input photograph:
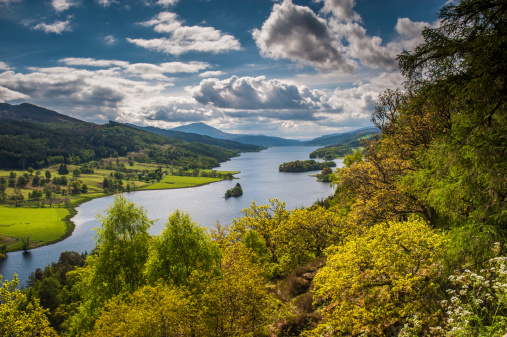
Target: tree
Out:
[122,244]
[460,73]
[63,170]
[20,316]
[374,281]
[47,174]
[182,248]
[160,310]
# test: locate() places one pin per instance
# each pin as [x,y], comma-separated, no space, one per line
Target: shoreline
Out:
[70,225]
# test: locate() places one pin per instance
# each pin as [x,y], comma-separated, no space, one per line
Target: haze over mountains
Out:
[261,140]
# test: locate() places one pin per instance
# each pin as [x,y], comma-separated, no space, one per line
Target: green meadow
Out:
[50,223]
[42,225]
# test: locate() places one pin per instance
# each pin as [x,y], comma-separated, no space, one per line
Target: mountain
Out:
[198,138]
[38,137]
[33,113]
[259,140]
[266,140]
[205,130]
[342,138]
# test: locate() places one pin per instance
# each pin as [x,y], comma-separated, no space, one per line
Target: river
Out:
[259,179]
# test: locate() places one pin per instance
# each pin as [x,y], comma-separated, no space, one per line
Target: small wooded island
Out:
[304,166]
[236,191]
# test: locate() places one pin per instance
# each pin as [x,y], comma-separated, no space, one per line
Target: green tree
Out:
[181,249]
[47,174]
[460,74]
[375,280]
[63,170]
[122,244]
[20,316]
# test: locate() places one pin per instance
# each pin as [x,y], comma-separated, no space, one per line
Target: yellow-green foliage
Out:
[161,310]
[20,317]
[41,224]
[379,278]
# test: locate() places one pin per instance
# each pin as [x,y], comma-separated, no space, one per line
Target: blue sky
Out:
[294,69]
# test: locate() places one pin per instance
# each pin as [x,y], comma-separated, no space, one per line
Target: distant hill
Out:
[342,138]
[31,136]
[33,113]
[205,130]
[198,138]
[259,140]
[267,140]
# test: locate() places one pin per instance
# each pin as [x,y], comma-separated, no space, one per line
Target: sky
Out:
[288,68]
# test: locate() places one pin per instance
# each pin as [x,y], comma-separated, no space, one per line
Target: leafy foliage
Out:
[304,165]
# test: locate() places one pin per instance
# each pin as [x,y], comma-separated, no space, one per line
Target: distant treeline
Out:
[304,165]
[332,152]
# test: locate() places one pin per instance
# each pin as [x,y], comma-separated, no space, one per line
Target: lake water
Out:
[259,179]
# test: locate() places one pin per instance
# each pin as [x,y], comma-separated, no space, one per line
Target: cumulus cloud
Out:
[62,5]
[368,50]
[4,66]
[11,95]
[183,39]
[296,33]
[342,9]
[410,32]
[212,73]
[57,27]
[255,93]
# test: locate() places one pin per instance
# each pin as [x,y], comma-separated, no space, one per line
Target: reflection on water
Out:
[259,179]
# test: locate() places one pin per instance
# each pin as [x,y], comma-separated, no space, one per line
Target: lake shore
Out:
[14,243]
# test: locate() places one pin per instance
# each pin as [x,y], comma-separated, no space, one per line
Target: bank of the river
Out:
[48,225]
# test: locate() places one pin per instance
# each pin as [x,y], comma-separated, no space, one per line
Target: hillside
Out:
[346,138]
[199,138]
[32,113]
[56,138]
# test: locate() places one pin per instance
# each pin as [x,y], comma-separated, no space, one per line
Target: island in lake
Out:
[304,166]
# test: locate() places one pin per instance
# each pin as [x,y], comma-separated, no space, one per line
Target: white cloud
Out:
[11,95]
[91,62]
[183,39]
[167,3]
[296,33]
[110,40]
[4,66]
[410,32]
[368,50]
[254,93]
[62,5]
[57,27]
[212,73]
[342,9]
[139,68]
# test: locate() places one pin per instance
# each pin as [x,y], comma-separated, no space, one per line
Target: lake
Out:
[259,179]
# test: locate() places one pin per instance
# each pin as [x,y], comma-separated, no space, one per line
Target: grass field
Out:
[43,225]
[179,182]
[47,224]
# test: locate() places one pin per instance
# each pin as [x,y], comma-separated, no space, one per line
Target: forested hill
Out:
[32,113]
[37,137]
[197,138]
